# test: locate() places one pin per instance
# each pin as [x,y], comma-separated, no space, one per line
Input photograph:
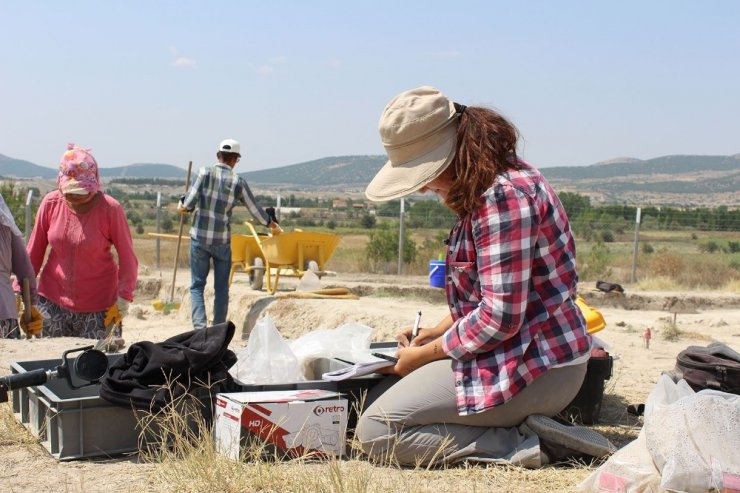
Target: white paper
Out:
[358,369]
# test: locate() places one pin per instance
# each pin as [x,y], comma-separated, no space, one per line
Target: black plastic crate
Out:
[586,406]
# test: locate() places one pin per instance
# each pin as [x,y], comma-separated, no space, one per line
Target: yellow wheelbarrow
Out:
[289,253]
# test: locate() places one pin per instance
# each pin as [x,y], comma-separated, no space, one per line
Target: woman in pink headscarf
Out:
[81,281]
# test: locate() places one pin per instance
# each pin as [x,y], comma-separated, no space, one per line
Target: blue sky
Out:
[164,81]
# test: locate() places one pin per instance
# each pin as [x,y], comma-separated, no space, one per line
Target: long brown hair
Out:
[486,146]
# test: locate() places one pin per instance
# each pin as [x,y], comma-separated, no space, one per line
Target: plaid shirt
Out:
[511,290]
[216,192]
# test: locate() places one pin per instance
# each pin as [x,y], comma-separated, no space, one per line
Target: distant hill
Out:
[18,168]
[144,170]
[346,171]
[680,180]
[621,167]
[670,180]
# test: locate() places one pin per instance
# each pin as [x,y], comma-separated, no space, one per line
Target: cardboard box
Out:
[295,422]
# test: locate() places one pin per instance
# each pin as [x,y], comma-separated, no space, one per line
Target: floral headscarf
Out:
[78,172]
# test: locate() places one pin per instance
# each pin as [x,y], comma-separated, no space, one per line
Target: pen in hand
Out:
[415,330]
[386,357]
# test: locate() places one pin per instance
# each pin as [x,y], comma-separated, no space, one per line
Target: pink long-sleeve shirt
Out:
[81,274]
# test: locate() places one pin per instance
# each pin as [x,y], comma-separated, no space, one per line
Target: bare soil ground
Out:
[386,303]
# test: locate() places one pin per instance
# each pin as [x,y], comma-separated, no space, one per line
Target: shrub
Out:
[383,248]
[368,221]
[134,218]
[707,272]
[607,236]
[710,246]
[733,246]
[140,229]
[167,225]
[666,264]
[596,263]
[647,248]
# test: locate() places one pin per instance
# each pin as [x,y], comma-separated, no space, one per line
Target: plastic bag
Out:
[350,342]
[693,438]
[689,442]
[267,357]
[629,470]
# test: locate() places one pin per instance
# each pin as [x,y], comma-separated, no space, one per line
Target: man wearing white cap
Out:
[214,194]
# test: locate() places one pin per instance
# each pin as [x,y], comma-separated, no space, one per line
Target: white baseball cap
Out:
[230,145]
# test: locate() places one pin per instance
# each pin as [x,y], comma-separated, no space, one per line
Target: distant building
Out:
[339,204]
[358,205]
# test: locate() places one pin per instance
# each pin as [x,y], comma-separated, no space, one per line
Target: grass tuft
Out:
[13,432]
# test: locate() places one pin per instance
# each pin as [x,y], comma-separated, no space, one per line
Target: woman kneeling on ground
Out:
[515,343]
[82,284]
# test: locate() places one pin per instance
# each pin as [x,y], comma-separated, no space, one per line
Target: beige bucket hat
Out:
[418,129]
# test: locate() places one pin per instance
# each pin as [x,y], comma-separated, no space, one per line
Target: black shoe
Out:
[564,441]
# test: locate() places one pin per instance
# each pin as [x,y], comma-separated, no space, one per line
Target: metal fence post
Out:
[159,217]
[29,201]
[637,242]
[400,238]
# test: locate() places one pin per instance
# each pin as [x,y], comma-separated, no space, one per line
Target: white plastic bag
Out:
[267,357]
[690,442]
[350,342]
[629,470]
[693,438]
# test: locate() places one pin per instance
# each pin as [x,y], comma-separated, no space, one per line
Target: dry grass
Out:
[12,431]
[185,460]
[732,286]
[676,264]
[670,332]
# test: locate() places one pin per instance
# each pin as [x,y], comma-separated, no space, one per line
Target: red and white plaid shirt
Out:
[511,289]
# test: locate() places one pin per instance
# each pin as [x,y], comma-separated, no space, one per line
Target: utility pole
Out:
[159,217]
[400,238]
[633,277]
[29,201]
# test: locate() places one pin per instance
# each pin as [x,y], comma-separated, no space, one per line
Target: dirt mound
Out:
[669,302]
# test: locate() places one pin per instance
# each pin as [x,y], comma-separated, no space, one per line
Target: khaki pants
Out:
[414,420]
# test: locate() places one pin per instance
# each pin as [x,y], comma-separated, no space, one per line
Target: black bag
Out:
[716,366]
[609,287]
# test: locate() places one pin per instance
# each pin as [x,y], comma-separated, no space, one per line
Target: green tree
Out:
[368,221]
[134,218]
[595,264]
[383,247]
[430,214]
[15,198]
[167,225]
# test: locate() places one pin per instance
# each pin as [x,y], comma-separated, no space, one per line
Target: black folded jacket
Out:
[151,375]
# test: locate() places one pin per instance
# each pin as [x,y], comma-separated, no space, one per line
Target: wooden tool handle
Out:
[27,300]
[179,236]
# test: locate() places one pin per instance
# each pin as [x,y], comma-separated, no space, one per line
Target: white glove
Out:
[122,305]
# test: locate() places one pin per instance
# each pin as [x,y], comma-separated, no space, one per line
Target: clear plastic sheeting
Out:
[690,442]
[267,357]
[693,438]
[350,342]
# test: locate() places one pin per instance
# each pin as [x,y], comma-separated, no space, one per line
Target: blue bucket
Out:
[437,273]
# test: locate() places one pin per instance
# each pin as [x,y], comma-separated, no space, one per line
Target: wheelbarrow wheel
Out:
[313,266]
[257,273]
